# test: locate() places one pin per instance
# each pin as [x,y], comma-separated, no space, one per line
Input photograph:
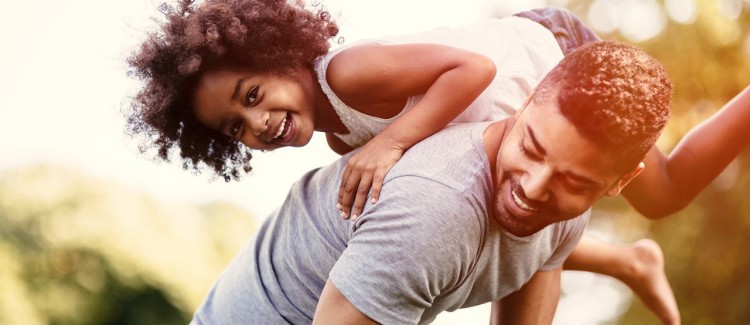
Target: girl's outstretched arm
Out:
[669,183]
[377,80]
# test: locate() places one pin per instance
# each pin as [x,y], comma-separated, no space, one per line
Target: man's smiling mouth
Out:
[521,203]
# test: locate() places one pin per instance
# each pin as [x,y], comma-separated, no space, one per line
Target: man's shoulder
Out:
[419,211]
[451,168]
[428,204]
[452,156]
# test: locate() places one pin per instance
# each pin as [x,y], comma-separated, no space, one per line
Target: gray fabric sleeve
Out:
[419,241]
[570,234]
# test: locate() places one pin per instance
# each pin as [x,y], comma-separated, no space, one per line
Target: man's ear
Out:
[625,179]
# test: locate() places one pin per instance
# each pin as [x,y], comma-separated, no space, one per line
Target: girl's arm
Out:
[377,80]
[669,183]
[337,145]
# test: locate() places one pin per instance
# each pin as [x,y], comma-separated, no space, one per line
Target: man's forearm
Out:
[535,303]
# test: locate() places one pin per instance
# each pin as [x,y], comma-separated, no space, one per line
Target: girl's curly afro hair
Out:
[262,35]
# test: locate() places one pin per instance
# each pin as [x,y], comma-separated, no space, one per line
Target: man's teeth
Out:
[521,203]
[281,129]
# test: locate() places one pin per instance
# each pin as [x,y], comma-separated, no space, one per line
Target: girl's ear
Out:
[625,179]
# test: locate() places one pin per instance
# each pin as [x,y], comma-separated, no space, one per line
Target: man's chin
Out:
[513,225]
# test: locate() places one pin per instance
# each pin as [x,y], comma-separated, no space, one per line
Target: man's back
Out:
[427,246]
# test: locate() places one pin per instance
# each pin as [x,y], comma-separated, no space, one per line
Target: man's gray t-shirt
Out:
[428,245]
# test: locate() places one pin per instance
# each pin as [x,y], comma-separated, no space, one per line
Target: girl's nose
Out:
[259,122]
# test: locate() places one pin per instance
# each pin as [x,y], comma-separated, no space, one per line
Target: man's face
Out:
[547,172]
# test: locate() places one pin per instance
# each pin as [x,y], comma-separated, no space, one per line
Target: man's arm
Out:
[534,303]
[334,308]
[669,183]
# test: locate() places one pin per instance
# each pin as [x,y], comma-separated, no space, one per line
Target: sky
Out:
[63,85]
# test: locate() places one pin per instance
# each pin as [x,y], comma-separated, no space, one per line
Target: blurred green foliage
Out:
[74,250]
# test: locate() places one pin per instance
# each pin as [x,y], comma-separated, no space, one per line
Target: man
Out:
[476,213]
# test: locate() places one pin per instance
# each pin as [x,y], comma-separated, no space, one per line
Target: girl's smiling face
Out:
[261,110]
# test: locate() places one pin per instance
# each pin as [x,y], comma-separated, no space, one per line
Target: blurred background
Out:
[91,232]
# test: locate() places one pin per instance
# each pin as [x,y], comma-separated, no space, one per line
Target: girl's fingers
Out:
[361,177]
[377,184]
[361,195]
[345,190]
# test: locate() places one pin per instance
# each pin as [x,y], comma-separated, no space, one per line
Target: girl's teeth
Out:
[521,203]
[281,129]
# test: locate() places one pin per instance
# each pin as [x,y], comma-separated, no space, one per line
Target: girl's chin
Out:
[303,139]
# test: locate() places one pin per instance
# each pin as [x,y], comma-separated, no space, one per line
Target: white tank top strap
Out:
[358,133]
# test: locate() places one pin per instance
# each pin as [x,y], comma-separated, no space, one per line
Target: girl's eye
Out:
[252,95]
[235,129]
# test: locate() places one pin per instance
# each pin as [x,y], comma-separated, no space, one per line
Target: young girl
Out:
[228,76]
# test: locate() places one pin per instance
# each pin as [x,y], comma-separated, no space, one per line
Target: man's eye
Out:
[235,129]
[252,95]
[528,153]
[573,186]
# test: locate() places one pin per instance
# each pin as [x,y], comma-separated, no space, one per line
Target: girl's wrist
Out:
[394,139]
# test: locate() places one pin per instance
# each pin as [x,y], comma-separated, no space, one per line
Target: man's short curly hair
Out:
[614,93]
[273,36]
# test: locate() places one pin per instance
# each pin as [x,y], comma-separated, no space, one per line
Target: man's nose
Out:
[536,184]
